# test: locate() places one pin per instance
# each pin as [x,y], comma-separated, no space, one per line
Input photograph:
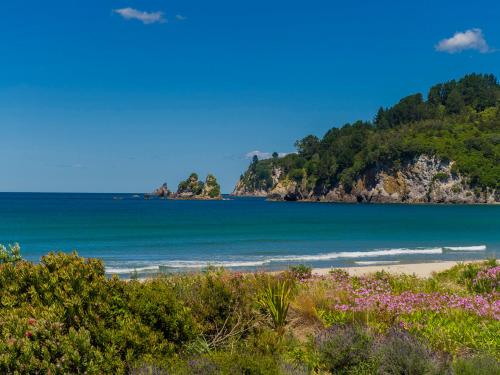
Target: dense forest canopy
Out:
[458,121]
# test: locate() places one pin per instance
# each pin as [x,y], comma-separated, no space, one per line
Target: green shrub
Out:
[156,305]
[11,254]
[400,353]
[222,303]
[227,363]
[477,365]
[441,176]
[342,347]
[300,272]
[455,331]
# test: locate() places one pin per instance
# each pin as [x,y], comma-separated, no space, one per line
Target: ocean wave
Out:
[206,263]
[130,270]
[358,254]
[184,264]
[375,262]
[199,264]
[466,248]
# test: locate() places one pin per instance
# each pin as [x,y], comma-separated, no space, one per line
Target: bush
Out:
[64,316]
[342,347]
[300,272]
[477,365]
[222,303]
[227,363]
[441,176]
[487,280]
[400,353]
[11,254]
[156,305]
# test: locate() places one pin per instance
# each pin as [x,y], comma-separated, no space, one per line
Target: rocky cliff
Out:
[423,179]
[249,185]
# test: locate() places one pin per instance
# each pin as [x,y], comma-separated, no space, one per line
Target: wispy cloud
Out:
[73,166]
[472,39]
[179,17]
[264,155]
[145,17]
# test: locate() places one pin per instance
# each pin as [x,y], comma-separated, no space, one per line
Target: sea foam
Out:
[241,263]
[358,254]
[466,248]
[117,270]
[375,262]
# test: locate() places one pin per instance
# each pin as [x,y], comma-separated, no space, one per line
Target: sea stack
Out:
[193,188]
[162,191]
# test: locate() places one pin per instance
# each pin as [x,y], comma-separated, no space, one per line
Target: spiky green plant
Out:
[275,300]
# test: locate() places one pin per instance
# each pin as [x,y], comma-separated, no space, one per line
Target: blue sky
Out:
[122,95]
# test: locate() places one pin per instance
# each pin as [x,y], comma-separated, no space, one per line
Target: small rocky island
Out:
[191,189]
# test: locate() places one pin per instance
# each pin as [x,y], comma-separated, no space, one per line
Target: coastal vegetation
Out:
[457,123]
[64,315]
[191,188]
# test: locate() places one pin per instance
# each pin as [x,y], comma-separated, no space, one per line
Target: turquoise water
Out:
[129,233]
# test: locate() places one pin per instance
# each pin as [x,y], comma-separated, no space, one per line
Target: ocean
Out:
[132,234]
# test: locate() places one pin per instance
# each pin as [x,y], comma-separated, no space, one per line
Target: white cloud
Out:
[264,155]
[75,166]
[180,17]
[460,41]
[145,17]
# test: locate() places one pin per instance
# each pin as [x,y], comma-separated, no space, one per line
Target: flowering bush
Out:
[487,281]
[374,294]
[453,321]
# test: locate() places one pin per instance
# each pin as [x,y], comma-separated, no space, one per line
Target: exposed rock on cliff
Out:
[255,183]
[423,179]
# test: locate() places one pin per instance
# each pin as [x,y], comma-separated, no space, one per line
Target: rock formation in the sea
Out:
[211,188]
[444,148]
[193,188]
[162,191]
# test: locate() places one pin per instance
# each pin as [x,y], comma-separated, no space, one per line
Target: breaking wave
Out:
[375,262]
[358,254]
[466,248]
[262,261]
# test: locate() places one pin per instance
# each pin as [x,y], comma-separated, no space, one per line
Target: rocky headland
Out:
[443,147]
[423,179]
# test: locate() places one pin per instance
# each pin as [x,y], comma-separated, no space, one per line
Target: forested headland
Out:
[452,134]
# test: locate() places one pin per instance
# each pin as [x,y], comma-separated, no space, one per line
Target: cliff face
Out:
[424,179]
[250,186]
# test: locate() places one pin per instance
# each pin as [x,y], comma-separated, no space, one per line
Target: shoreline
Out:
[423,270]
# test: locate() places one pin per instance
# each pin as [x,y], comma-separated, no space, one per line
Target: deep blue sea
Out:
[130,233]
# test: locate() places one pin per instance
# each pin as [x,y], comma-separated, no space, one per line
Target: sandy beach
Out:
[418,269]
